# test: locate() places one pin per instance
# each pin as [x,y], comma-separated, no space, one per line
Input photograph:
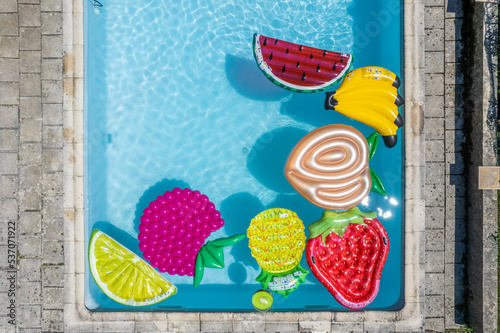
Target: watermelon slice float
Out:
[297,67]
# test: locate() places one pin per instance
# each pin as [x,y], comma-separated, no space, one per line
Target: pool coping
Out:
[78,319]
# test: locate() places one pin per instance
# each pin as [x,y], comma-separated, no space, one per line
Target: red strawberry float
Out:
[346,251]
[173,230]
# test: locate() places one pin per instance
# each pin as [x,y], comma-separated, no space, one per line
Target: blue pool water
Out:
[173,97]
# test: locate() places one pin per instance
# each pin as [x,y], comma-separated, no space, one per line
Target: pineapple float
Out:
[277,240]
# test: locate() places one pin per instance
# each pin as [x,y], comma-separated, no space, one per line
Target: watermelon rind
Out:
[289,86]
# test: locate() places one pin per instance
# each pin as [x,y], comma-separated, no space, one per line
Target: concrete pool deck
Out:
[41,185]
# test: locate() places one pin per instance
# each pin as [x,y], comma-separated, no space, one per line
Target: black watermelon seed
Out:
[283,70]
[317,69]
[298,64]
[265,41]
[301,47]
[334,66]
[287,51]
[275,42]
[303,76]
[311,56]
[324,53]
[271,56]
[342,60]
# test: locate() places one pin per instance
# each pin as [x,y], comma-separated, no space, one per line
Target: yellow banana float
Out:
[370,95]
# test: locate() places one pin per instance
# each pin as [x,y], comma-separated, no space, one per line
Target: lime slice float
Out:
[123,276]
[262,300]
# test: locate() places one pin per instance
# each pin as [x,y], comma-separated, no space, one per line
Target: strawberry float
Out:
[346,251]
[173,230]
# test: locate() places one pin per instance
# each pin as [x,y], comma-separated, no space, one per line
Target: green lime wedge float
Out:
[123,276]
[262,300]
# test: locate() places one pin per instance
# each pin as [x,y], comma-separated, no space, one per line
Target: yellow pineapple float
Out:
[277,240]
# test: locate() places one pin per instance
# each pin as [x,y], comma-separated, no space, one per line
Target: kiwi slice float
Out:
[262,300]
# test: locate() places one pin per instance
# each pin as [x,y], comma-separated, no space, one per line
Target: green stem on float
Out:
[211,255]
[372,141]
[283,283]
[377,185]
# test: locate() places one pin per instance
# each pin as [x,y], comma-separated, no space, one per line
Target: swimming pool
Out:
[173,97]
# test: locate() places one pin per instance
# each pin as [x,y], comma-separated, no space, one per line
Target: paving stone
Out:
[52,69]
[432,3]
[33,2]
[29,316]
[9,47]
[434,218]
[454,274]
[434,283]
[8,209]
[30,330]
[434,150]
[455,252]
[52,114]
[453,29]
[52,320]
[29,85]
[52,91]
[9,24]
[9,140]
[455,208]
[51,5]
[434,62]
[434,325]
[434,262]
[434,39]
[457,189]
[454,96]
[8,165]
[52,276]
[52,23]
[30,107]
[9,93]
[52,46]
[30,199]
[29,270]
[452,74]
[29,292]
[435,195]
[434,129]
[30,39]
[30,61]
[455,230]
[454,118]
[30,223]
[454,9]
[30,176]
[347,327]
[53,252]
[8,186]
[30,154]
[9,69]
[31,130]
[9,117]
[53,298]
[434,17]
[53,137]
[434,240]
[8,6]
[52,160]
[453,51]
[434,84]
[53,229]
[29,15]
[454,164]
[434,306]
[30,246]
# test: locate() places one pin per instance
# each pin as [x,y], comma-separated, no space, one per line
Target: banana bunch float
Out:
[370,95]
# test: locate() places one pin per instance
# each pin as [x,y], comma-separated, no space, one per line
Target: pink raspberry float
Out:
[173,229]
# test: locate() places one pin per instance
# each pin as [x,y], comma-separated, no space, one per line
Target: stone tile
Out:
[434,306]
[453,29]
[453,51]
[347,327]
[435,195]
[29,15]
[454,9]
[434,240]
[30,107]
[454,141]
[29,85]
[454,96]
[9,116]
[52,183]
[9,140]
[9,69]
[29,292]
[33,2]
[30,330]
[53,137]
[52,321]
[434,150]
[8,209]
[457,187]
[30,39]
[9,93]
[454,164]
[52,276]
[30,199]
[51,5]
[30,246]
[9,24]
[8,186]
[434,17]
[434,324]
[53,252]
[52,92]
[455,208]
[30,223]
[434,129]
[8,6]
[52,46]
[9,47]
[31,153]
[434,284]
[454,274]
[29,316]
[454,118]
[29,61]
[434,262]
[29,270]
[53,229]
[52,23]
[52,69]
[434,84]
[31,130]
[452,74]
[9,163]
[52,160]
[455,252]
[434,218]
[53,298]
[434,62]
[52,114]
[434,39]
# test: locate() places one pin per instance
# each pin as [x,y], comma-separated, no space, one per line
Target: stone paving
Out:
[34,136]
